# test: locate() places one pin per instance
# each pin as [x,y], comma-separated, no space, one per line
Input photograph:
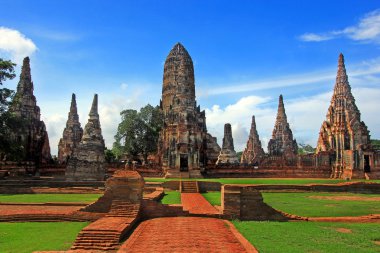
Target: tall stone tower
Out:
[282,142]
[182,144]
[254,152]
[88,161]
[343,134]
[34,135]
[72,134]
[227,154]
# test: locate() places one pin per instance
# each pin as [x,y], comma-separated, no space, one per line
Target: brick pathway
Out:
[36,209]
[195,203]
[183,234]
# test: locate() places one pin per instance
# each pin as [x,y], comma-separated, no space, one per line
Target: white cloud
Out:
[15,45]
[315,37]
[123,86]
[358,71]
[305,116]
[367,30]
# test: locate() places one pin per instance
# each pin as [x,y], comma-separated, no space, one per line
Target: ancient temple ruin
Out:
[182,146]
[227,154]
[33,134]
[343,134]
[282,142]
[88,161]
[254,152]
[72,134]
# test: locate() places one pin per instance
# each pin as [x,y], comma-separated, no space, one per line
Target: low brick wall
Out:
[267,172]
[353,187]
[246,203]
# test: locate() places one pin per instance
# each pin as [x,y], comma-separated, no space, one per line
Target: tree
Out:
[305,149]
[109,155]
[375,144]
[8,121]
[138,132]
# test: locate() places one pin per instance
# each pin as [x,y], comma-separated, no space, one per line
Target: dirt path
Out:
[195,203]
[185,234]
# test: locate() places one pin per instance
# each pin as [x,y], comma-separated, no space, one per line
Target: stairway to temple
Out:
[105,233]
[121,208]
[189,187]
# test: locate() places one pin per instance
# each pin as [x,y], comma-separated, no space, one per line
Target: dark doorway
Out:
[367,166]
[183,163]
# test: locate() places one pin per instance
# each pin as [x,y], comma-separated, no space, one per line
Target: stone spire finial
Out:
[94,107]
[282,142]
[341,76]
[73,106]
[281,115]
[254,151]
[25,85]
[227,154]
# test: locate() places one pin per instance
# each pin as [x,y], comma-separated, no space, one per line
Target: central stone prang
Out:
[183,142]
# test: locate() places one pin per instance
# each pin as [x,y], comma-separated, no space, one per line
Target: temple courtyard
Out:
[297,215]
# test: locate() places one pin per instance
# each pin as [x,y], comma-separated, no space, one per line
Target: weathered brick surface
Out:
[246,203]
[195,203]
[183,234]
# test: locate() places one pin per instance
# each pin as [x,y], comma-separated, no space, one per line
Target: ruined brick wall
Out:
[246,203]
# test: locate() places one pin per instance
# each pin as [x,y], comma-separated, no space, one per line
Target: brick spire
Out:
[72,134]
[254,151]
[282,142]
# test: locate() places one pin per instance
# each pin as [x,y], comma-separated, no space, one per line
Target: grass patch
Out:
[286,181]
[171,197]
[212,197]
[310,236]
[301,204]
[26,237]
[43,198]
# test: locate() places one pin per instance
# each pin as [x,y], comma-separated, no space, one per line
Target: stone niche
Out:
[124,185]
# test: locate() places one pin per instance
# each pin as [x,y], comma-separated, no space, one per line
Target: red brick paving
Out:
[182,234]
[35,209]
[195,203]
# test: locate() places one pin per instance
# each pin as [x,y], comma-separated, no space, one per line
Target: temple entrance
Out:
[183,163]
[367,166]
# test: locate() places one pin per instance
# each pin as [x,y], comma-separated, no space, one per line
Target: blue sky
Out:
[245,53]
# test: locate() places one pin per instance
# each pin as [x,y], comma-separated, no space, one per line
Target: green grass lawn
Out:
[302,204]
[311,236]
[171,197]
[26,237]
[262,180]
[43,198]
[212,197]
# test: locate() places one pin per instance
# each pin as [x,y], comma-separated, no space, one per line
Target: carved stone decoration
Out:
[88,161]
[182,145]
[254,152]
[282,142]
[227,154]
[343,132]
[72,134]
[33,135]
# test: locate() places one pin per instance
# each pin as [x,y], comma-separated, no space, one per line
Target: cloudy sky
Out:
[245,54]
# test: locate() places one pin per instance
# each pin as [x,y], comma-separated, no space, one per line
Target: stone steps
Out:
[189,187]
[121,208]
